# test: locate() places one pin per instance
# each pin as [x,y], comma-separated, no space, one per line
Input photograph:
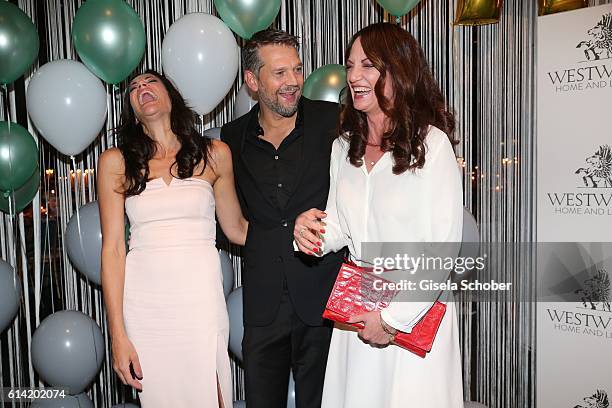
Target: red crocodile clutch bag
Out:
[354,293]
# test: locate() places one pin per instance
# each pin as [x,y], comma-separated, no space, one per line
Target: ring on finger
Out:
[302,232]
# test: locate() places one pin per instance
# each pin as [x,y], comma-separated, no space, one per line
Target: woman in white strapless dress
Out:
[166,310]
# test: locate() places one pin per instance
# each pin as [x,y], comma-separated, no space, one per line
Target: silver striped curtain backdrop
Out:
[488,76]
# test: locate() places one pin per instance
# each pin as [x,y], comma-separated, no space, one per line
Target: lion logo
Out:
[597,400]
[596,291]
[600,42]
[598,173]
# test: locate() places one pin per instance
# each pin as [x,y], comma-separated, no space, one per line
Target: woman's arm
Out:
[112,203]
[233,224]
[314,223]
[443,202]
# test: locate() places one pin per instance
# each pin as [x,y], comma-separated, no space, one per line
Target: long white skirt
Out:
[359,375]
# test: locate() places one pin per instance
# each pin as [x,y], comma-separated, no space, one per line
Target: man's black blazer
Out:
[268,252]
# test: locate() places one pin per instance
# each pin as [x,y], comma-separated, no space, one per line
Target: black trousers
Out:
[271,352]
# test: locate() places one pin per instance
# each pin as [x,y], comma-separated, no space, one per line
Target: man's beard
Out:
[275,106]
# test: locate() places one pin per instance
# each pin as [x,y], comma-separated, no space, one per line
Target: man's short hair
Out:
[250,51]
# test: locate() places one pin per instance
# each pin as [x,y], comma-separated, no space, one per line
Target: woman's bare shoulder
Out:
[111,161]
[220,151]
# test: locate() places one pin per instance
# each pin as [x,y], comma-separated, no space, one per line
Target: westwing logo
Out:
[596,292]
[600,43]
[598,170]
[597,400]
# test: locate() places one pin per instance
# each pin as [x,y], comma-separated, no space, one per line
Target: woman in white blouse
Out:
[394,178]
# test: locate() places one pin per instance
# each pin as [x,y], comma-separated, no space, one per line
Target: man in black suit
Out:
[281,151]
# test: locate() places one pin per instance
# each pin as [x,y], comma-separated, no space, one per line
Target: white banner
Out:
[574,201]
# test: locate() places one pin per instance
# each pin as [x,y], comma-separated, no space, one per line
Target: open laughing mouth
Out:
[146,97]
[361,91]
[289,94]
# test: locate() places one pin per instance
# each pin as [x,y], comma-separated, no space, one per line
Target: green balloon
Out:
[109,37]
[23,196]
[246,17]
[18,156]
[18,42]
[398,7]
[325,83]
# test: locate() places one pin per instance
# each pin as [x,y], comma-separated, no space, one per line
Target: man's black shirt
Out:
[275,170]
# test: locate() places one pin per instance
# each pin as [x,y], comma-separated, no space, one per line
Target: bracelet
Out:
[386,327]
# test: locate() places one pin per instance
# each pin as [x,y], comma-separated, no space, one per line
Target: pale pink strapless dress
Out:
[174,309]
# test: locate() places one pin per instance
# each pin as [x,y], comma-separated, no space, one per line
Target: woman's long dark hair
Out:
[417,101]
[138,148]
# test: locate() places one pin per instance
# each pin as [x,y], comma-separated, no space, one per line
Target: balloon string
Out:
[115,95]
[111,112]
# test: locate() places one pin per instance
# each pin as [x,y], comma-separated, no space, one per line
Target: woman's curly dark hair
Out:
[418,101]
[138,148]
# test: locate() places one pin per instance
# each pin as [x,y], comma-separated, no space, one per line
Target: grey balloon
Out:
[234,310]
[245,100]
[10,289]
[240,404]
[68,350]
[470,244]
[67,103]
[69,401]
[213,133]
[470,239]
[84,241]
[227,272]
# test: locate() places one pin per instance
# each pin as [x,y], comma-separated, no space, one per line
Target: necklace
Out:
[372,162]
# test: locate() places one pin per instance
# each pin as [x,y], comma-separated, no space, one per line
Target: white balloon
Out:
[244,101]
[67,103]
[200,56]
